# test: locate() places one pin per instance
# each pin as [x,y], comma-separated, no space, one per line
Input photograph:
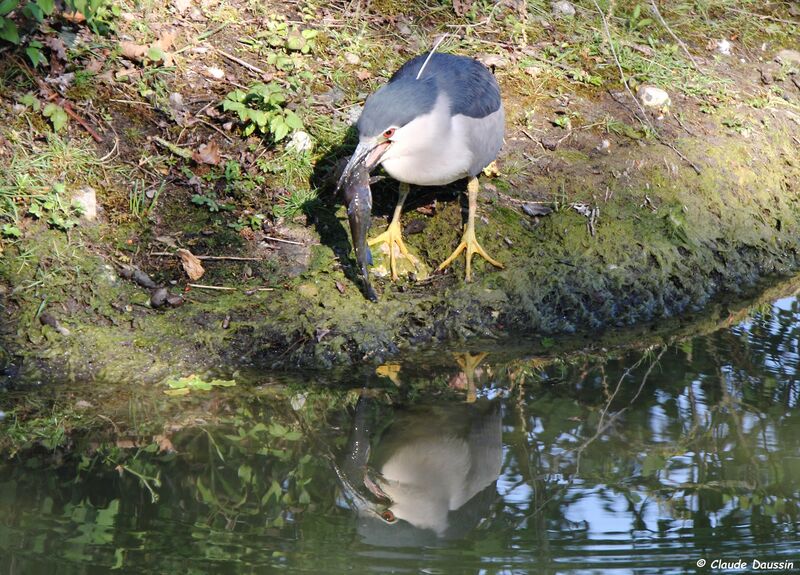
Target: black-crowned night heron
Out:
[438,119]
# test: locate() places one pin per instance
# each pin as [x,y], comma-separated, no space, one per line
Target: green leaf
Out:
[293,121]
[7,6]
[33,12]
[35,55]
[653,463]
[30,101]
[58,117]
[280,132]
[46,6]
[155,54]
[11,231]
[8,31]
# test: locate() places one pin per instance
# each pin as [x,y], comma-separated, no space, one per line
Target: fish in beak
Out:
[358,198]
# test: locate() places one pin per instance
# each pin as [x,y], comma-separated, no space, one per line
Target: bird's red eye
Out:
[388,133]
[387,515]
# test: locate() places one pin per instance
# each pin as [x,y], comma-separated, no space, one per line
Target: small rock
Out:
[788,57]
[415,227]
[354,113]
[332,96]
[174,300]
[653,97]
[724,47]
[87,200]
[213,72]
[604,146]
[47,318]
[550,143]
[766,76]
[535,210]
[159,297]
[298,401]
[562,9]
[301,142]
[352,59]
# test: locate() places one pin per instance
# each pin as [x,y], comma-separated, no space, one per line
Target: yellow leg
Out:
[468,241]
[394,234]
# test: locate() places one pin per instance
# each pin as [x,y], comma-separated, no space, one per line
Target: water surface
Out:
[647,462]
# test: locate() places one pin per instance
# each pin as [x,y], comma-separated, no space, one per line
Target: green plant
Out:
[99,15]
[55,210]
[57,116]
[210,203]
[262,108]
[298,201]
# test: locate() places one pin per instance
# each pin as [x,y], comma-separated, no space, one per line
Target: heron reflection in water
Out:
[430,474]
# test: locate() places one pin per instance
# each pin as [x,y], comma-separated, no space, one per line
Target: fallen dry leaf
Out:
[363,74]
[181,6]
[166,40]
[93,66]
[74,17]
[132,50]
[207,154]
[461,7]
[57,46]
[191,265]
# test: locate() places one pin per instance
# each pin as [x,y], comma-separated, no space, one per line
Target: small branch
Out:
[224,288]
[232,258]
[242,63]
[663,22]
[270,238]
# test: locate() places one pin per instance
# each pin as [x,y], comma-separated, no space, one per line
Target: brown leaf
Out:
[363,74]
[181,6]
[94,66]
[166,40]
[207,154]
[340,286]
[164,444]
[74,17]
[191,265]
[57,46]
[133,51]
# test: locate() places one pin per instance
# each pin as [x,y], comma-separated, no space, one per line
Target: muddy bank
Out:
[601,222]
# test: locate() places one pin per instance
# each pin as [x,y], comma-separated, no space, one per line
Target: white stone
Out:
[352,58]
[300,142]
[87,200]
[653,97]
[562,9]
[724,47]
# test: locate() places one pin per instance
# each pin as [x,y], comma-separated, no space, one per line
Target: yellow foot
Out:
[470,243]
[393,237]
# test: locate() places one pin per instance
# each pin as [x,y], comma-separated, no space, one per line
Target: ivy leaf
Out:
[7,6]
[46,6]
[57,115]
[8,31]
[35,54]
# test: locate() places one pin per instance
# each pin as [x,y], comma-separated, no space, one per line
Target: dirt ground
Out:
[605,213]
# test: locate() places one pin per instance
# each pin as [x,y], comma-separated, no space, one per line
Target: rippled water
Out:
[651,462]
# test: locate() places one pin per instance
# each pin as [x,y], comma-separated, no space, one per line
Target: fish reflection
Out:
[430,474]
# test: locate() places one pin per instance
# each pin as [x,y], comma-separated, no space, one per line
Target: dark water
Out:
[649,462]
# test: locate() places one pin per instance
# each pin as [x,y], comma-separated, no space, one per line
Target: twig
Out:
[232,258]
[218,130]
[241,62]
[663,22]
[284,241]
[224,288]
